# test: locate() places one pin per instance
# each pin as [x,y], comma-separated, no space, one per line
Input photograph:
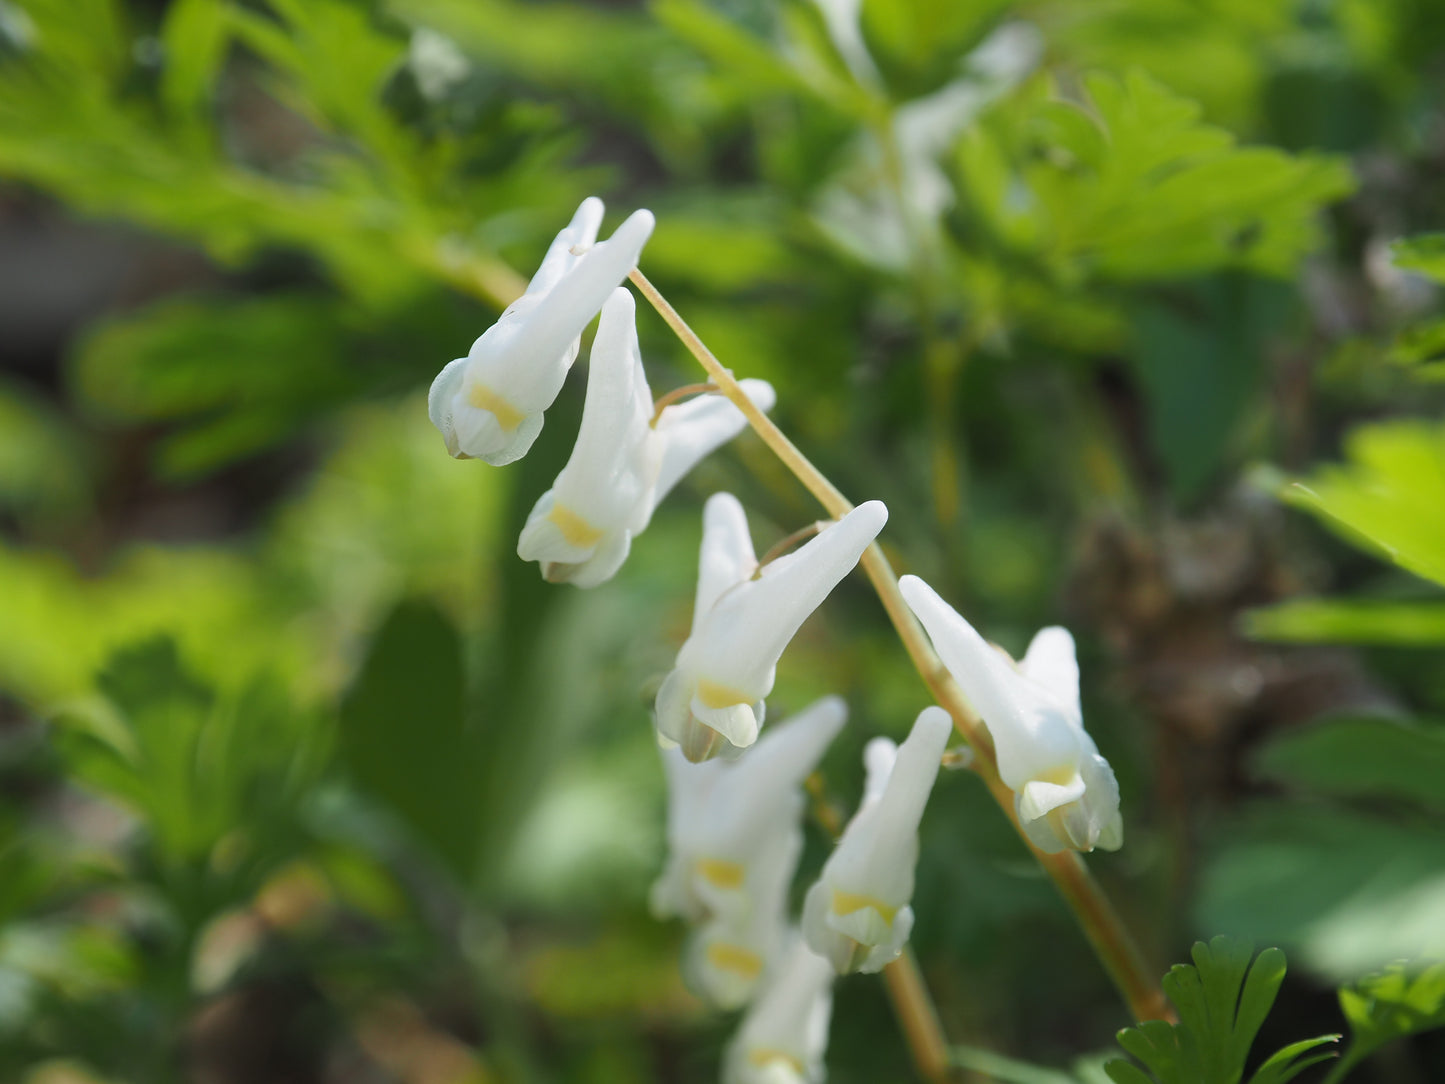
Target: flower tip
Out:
[721,505]
[588,215]
[620,305]
[871,513]
[634,232]
[933,726]
[913,589]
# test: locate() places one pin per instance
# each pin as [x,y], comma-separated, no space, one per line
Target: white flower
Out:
[724,815]
[489,404]
[622,466]
[784,1035]
[726,957]
[744,618]
[1064,791]
[436,63]
[858,914]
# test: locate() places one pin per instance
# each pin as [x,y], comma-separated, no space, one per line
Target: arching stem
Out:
[1102,924]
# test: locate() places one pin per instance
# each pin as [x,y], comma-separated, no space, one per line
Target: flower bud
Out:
[858,914]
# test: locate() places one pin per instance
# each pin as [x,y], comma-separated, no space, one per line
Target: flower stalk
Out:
[1102,925]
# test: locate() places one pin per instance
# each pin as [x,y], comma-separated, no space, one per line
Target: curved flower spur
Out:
[743,620]
[1065,793]
[488,405]
[625,461]
[857,914]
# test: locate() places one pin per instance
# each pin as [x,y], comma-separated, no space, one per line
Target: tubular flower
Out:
[1064,791]
[725,816]
[489,404]
[784,1035]
[743,619]
[622,465]
[857,915]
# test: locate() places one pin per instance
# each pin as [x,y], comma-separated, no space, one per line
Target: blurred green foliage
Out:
[327,776]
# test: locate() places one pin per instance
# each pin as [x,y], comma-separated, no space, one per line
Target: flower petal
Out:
[727,557]
[743,635]
[691,431]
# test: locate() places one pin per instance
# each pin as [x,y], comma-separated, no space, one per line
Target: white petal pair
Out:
[1065,793]
[489,404]
[742,621]
[622,465]
[734,835]
[858,914]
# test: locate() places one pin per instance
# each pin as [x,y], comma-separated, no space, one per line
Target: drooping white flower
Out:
[622,465]
[489,404]
[723,816]
[858,913]
[1064,791]
[742,621]
[784,1035]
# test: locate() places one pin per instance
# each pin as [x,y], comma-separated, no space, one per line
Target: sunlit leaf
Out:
[1388,495]
[1402,1000]
[1350,621]
[1344,891]
[1222,1000]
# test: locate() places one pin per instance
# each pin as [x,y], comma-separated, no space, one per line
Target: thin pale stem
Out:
[1102,924]
[918,1017]
[677,394]
[783,545]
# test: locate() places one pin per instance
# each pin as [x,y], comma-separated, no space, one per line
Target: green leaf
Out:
[242,375]
[755,62]
[1158,193]
[1344,891]
[405,734]
[1356,758]
[1003,1069]
[1424,253]
[1389,494]
[1222,1001]
[1201,359]
[1398,1001]
[1350,621]
[195,36]
[196,766]
[1286,1064]
[918,44]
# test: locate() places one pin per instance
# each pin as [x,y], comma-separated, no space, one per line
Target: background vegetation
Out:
[306,778]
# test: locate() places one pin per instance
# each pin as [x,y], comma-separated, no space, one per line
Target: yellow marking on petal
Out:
[845,903]
[1061,776]
[576,531]
[722,874]
[484,398]
[714,695]
[764,1054]
[735,958]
